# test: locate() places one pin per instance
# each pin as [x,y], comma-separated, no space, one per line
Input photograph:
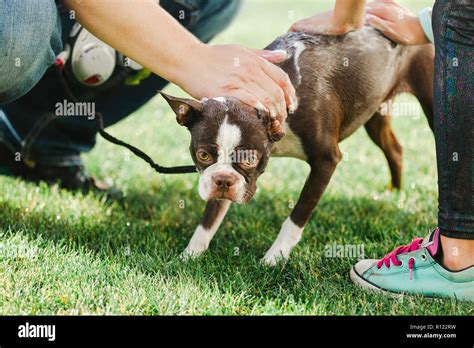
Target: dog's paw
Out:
[273,257]
[196,247]
[189,254]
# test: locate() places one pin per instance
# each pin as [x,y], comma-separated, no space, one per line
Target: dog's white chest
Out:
[289,146]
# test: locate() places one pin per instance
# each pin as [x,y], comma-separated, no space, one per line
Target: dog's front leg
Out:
[292,228]
[213,216]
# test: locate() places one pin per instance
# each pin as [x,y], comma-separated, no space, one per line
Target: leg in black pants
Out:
[442,264]
[453,26]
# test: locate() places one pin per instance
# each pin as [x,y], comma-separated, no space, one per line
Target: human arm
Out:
[145,32]
[348,15]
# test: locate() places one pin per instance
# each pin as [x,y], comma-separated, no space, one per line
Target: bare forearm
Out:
[350,12]
[348,15]
[145,32]
[141,30]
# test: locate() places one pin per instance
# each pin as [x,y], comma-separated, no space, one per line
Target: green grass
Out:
[81,255]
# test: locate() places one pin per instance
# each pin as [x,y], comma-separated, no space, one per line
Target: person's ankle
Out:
[458,254]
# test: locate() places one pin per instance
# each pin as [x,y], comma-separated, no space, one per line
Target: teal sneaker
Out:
[413,269]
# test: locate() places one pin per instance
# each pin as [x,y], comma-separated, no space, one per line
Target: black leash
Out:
[136,151]
[139,153]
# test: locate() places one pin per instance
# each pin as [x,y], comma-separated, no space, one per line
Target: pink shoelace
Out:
[392,257]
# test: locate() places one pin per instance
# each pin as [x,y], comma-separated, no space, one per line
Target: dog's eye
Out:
[203,156]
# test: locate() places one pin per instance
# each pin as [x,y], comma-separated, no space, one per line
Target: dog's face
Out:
[230,144]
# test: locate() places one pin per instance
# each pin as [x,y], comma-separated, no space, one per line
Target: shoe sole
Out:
[361,282]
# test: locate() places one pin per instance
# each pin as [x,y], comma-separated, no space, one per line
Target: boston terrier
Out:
[341,84]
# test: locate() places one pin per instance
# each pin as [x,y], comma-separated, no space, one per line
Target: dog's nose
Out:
[224,182]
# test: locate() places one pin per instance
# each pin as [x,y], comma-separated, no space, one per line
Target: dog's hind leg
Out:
[380,131]
[420,80]
[210,222]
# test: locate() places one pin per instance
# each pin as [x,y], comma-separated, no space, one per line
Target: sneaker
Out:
[72,178]
[414,269]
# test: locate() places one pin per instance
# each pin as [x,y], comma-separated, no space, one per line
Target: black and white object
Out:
[92,61]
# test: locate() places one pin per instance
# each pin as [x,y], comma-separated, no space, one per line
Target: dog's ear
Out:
[185,109]
[274,129]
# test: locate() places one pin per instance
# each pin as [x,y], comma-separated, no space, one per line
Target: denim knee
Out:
[30,39]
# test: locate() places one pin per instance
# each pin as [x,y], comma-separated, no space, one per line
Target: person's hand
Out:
[396,22]
[348,15]
[325,23]
[244,73]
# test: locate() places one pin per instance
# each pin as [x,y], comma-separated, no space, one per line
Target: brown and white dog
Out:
[341,83]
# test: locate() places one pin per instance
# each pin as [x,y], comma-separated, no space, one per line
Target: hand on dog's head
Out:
[189,110]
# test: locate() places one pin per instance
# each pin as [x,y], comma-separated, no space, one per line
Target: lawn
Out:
[66,253]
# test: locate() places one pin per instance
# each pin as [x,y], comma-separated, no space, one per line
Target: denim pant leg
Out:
[453,25]
[30,39]
[62,141]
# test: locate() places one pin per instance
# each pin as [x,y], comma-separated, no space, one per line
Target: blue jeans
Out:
[35,32]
